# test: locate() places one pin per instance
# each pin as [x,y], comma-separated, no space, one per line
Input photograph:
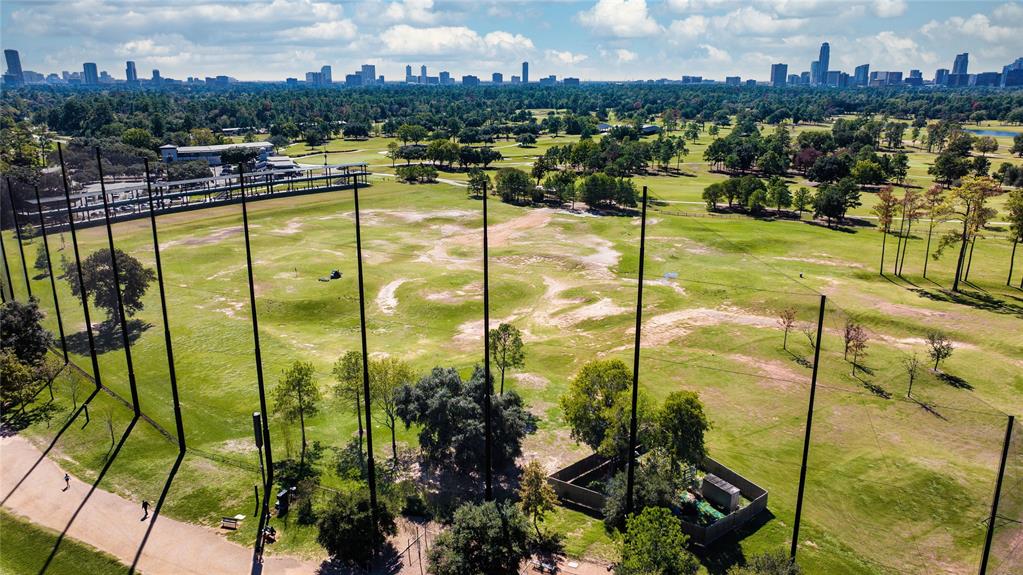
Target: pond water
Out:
[995,133]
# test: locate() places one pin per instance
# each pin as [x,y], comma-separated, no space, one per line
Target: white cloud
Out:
[1010,13]
[564,57]
[328,30]
[889,8]
[689,28]
[896,49]
[716,54]
[450,41]
[976,26]
[620,18]
[415,11]
[753,21]
[624,55]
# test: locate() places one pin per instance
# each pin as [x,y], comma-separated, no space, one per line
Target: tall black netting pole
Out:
[53,280]
[998,492]
[633,423]
[7,271]
[268,486]
[17,235]
[371,475]
[487,387]
[163,308]
[116,272]
[809,423]
[82,289]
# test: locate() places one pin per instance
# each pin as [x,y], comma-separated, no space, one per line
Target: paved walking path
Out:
[113,524]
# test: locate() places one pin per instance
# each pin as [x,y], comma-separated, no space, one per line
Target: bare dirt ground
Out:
[387,299]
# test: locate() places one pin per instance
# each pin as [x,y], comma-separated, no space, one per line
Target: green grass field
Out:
[26,548]
[884,471]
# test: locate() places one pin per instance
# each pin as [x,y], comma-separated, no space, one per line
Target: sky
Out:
[593,40]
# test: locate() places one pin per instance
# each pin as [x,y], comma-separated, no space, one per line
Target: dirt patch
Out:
[600,262]
[663,329]
[649,221]
[211,238]
[822,262]
[228,307]
[501,234]
[553,449]
[293,226]
[909,311]
[530,380]
[470,292]
[779,375]
[604,307]
[664,282]
[387,300]
[415,217]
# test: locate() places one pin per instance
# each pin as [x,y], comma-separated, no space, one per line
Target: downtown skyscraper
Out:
[822,64]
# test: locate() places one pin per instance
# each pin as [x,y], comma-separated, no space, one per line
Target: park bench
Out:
[231,522]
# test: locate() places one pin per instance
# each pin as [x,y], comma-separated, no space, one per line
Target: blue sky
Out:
[594,40]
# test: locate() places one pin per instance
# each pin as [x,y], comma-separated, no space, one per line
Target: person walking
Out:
[67,482]
[145,508]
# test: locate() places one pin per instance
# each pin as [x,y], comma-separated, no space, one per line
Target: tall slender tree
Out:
[967,203]
[934,202]
[884,209]
[297,397]
[1015,207]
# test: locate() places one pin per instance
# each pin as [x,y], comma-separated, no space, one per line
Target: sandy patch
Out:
[604,307]
[415,217]
[387,300]
[649,221]
[603,259]
[228,307]
[292,226]
[663,282]
[663,329]
[530,380]
[822,261]
[501,234]
[225,271]
[470,292]
[211,238]
[909,311]
[779,375]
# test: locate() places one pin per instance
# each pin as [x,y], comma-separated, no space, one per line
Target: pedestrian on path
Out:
[145,508]
[67,482]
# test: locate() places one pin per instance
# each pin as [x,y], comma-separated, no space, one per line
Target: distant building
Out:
[650,129]
[987,79]
[326,75]
[525,72]
[156,79]
[445,78]
[313,78]
[958,80]
[351,80]
[549,80]
[497,78]
[861,75]
[470,80]
[751,83]
[368,74]
[779,74]
[815,70]
[822,62]
[409,78]
[804,78]
[291,82]
[692,79]
[171,153]
[90,75]
[733,80]
[1012,74]
[422,74]
[14,73]
[941,76]
[516,79]
[570,81]
[881,79]
[961,64]
[130,73]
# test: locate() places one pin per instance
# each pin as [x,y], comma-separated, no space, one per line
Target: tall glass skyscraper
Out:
[525,72]
[14,73]
[961,64]
[822,64]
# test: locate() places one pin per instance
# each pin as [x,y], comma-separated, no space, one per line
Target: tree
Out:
[138,138]
[934,204]
[1017,145]
[238,155]
[536,496]
[350,531]
[802,200]
[712,194]
[348,373]
[654,543]
[479,182]
[21,331]
[42,262]
[449,412]
[940,347]
[411,133]
[786,320]
[18,381]
[912,205]
[193,170]
[948,167]
[912,366]
[387,376]
[681,425]
[657,485]
[512,184]
[491,538]
[526,140]
[986,145]
[778,193]
[767,564]
[297,397]
[590,398]
[967,204]
[506,348]
[857,345]
[884,209]
[561,185]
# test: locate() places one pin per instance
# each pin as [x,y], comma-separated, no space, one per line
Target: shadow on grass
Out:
[387,562]
[955,381]
[727,551]
[107,337]
[877,390]
[929,408]
[156,510]
[974,299]
[67,424]
[95,484]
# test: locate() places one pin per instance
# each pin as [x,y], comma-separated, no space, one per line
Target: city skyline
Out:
[606,40]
